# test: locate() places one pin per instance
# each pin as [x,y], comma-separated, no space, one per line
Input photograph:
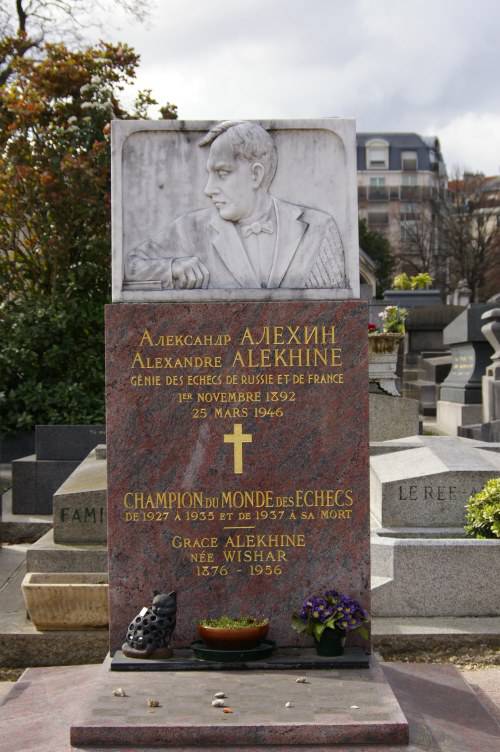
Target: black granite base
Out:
[282,658]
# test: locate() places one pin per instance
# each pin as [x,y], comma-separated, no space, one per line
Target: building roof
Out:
[427,147]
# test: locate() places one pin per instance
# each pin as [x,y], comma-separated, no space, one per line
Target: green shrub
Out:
[401,282]
[483,512]
[421,281]
[51,362]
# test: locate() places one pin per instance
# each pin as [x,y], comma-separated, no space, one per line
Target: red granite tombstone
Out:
[237,458]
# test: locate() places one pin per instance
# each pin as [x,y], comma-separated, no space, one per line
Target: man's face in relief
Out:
[232,183]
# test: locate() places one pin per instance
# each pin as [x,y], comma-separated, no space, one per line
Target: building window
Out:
[377,190]
[409,180]
[409,161]
[378,220]
[408,212]
[377,155]
[408,231]
[409,188]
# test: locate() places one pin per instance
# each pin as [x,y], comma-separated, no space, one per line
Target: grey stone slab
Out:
[80,504]
[24,485]
[412,298]
[466,327]
[100,452]
[441,577]
[47,556]
[450,416]
[72,442]
[334,707]
[392,417]
[282,659]
[17,445]
[428,487]
[34,483]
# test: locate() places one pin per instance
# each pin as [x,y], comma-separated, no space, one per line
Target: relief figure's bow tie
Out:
[256,228]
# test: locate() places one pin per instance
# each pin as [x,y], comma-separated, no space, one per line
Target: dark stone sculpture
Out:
[149,634]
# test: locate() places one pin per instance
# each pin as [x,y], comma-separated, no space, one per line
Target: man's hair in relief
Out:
[249,141]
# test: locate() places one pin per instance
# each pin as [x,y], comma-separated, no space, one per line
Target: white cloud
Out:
[472,142]
[393,65]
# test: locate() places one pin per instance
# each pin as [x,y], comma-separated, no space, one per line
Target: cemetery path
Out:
[486,685]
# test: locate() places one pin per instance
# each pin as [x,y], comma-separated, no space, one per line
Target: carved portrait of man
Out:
[248,238]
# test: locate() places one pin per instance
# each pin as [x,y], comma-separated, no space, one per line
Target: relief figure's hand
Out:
[189,273]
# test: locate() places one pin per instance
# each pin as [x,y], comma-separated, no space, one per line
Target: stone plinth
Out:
[237,455]
[392,417]
[435,577]
[47,556]
[355,707]
[450,416]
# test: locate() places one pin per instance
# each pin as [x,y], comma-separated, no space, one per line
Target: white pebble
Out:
[219,695]
[218,703]
[288,704]
[301,680]
[354,707]
[119,692]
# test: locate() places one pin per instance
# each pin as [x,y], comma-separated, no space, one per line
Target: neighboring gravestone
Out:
[68,443]
[59,450]
[422,564]
[422,485]
[460,394]
[80,504]
[489,429]
[392,417]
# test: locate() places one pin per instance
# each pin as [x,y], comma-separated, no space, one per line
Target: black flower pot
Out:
[331,643]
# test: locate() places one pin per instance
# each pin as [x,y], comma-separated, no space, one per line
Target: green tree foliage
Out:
[51,362]
[55,240]
[379,250]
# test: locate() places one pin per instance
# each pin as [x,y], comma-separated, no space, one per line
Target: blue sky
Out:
[431,66]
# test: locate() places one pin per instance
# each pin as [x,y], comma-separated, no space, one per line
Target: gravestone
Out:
[420,485]
[489,429]
[237,403]
[228,391]
[422,564]
[80,503]
[460,394]
[59,449]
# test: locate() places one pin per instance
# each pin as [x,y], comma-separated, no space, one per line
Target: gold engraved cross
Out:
[238,438]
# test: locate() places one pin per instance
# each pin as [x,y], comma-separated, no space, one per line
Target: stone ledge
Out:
[333,708]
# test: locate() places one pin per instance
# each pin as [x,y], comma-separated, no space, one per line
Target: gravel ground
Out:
[468,657]
[10,674]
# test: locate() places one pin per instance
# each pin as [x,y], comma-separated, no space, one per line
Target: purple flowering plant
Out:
[331,610]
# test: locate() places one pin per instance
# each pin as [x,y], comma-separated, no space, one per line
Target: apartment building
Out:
[400,175]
